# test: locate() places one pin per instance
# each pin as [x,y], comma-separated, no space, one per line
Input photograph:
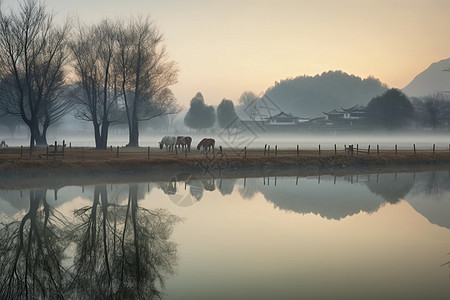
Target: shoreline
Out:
[58,172]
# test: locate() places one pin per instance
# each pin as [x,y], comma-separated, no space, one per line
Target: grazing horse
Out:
[184,141]
[169,142]
[206,144]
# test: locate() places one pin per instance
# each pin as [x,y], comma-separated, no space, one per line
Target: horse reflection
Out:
[209,184]
[170,187]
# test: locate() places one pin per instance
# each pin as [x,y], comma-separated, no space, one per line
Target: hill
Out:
[430,81]
[309,96]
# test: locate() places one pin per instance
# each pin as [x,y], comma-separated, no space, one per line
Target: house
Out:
[344,117]
[284,119]
[356,112]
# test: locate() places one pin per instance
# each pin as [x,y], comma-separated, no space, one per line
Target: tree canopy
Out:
[123,73]
[200,116]
[391,110]
[310,96]
[32,59]
[226,114]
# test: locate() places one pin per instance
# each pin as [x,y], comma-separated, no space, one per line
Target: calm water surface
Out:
[353,237]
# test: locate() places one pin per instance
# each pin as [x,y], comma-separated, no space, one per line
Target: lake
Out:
[356,236]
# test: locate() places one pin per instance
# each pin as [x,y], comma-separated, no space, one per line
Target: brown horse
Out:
[206,144]
[184,141]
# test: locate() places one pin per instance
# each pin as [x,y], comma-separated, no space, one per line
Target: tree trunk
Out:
[133,123]
[98,144]
[134,133]
[104,134]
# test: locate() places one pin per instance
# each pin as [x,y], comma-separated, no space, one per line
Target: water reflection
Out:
[391,187]
[113,245]
[31,252]
[109,250]
[334,199]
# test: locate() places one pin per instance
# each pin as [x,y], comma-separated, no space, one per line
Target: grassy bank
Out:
[84,166]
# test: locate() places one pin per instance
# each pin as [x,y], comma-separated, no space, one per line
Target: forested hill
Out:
[307,96]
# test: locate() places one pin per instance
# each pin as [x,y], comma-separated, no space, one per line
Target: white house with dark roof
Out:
[346,117]
[283,119]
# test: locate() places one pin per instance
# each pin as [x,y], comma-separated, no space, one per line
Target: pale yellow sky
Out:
[226,47]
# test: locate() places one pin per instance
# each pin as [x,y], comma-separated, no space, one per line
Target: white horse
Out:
[169,142]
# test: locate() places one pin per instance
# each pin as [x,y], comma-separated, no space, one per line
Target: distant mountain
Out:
[430,81]
[307,96]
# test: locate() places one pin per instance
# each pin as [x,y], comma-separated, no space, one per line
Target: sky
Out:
[224,48]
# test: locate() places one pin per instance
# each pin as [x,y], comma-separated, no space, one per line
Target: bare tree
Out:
[32,57]
[145,74]
[247,98]
[434,110]
[96,95]
[248,101]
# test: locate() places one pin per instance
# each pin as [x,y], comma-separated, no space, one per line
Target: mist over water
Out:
[306,141]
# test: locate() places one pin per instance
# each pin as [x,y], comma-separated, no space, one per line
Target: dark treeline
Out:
[119,72]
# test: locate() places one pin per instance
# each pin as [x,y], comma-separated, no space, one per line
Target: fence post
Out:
[245,152]
[335,150]
[276,150]
[265,147]
[378,150]
[110,148]
[21,152]
[319,149]
[414,147]
[148,152]
[117,151]
[298,151]
[70,145]
[395,149]
[268,151]
[63,146]
[434,149]
[368,150]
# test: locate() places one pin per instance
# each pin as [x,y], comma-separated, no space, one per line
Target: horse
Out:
[169,142]
[206,144]
[3,144]
[184,141]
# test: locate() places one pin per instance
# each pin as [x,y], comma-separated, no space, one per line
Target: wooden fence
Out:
[64,151]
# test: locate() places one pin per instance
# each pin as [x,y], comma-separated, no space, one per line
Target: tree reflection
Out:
[31,253]
[196,189]
[433,184]
[122,251]
[226,186]
[392,187]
